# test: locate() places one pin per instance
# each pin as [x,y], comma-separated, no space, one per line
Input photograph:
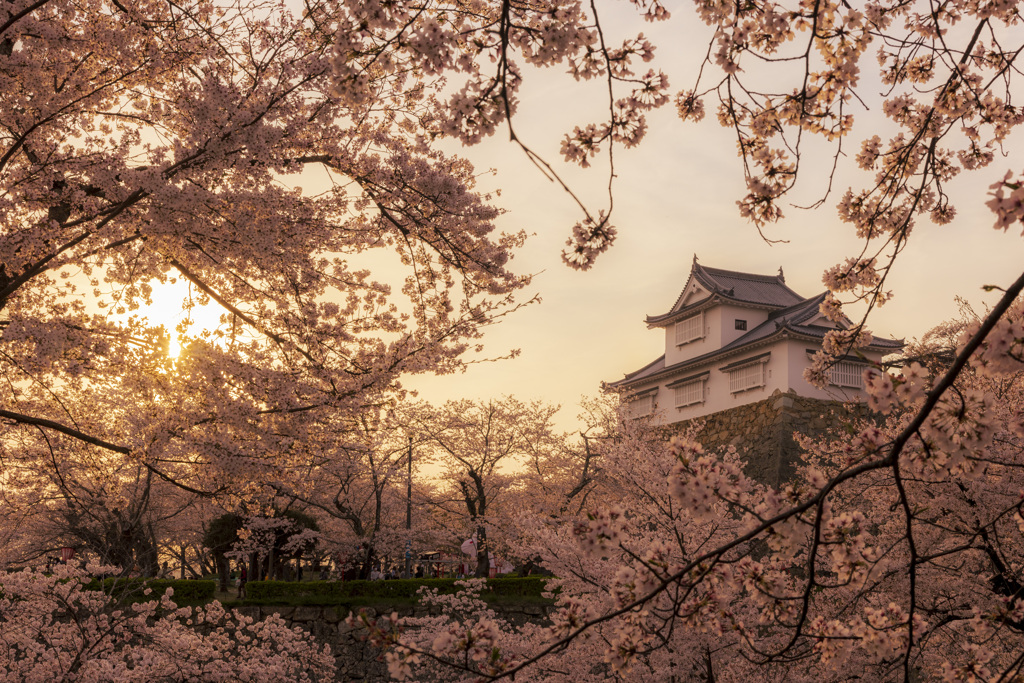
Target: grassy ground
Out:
[228,596]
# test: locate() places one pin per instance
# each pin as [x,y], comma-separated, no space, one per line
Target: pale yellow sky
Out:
[675,196]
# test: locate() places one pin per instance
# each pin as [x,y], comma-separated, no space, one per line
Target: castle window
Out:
[747,376]
[690,329]
[641,406]
[741,324]
[847,374]
[689,393]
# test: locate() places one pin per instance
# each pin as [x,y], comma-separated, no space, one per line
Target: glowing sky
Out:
[675,196]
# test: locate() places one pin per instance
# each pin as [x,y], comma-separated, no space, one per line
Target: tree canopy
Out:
[145,143]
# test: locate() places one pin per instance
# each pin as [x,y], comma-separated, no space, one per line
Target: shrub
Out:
[186,592]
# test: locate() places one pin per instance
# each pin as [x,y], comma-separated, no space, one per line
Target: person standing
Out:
[243,578]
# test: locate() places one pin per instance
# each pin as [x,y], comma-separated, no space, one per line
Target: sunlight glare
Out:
[173,345]
[169,309]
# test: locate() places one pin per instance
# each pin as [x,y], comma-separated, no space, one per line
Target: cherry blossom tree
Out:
[358,483]
[182,547]
[116,512]
[565,474]
[271,540]
[893,553]
[53,628]
[144,144]
[479,446]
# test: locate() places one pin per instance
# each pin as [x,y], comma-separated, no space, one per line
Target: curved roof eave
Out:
[782,331]
[699,360]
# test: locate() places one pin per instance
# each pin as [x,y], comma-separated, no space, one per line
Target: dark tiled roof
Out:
[649,369]
[746,361]
[790,320]
[769,291]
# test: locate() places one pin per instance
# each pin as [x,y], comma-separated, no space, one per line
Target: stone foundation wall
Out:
[356,659]
[763,431]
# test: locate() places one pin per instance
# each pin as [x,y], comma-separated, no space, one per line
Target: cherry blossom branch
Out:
[101,443]
[890,461]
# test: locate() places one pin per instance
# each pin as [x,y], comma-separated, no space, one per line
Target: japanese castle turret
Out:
[736,338]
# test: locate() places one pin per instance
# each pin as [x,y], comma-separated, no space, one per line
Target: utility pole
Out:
[408,517]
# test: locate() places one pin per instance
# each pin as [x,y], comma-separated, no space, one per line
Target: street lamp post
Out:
[408,517]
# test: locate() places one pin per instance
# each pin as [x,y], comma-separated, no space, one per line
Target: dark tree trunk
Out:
[222,571]
[483,564]
[366,562]
[476,506]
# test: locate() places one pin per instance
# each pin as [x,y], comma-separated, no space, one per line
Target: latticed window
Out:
[689,393]
[690,329]
[642,405]
[847,374]
[746,377]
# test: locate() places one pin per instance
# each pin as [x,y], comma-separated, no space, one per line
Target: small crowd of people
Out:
[241,576]
[377,575]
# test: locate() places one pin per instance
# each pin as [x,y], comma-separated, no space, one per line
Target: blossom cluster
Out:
[379,45]
[56,628]
[462,633]
[1007,201]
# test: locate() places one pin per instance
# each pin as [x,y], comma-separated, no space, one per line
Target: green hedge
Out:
[187,592]
[334,591]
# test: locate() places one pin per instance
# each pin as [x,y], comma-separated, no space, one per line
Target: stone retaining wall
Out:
[763,431]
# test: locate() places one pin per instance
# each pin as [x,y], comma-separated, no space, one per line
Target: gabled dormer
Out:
[718,306]
[693,294]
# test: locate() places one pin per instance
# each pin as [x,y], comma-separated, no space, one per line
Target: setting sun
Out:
[175,307]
